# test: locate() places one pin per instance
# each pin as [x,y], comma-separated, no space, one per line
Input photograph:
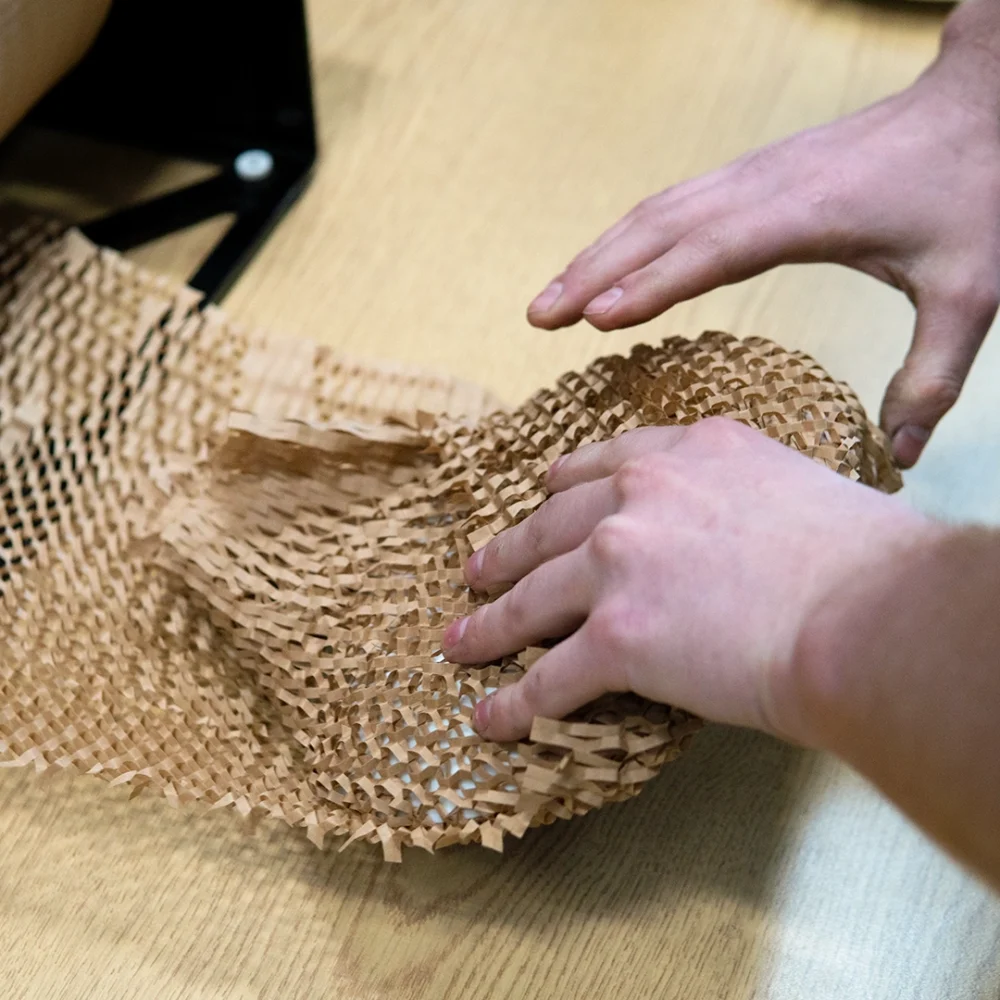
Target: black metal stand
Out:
[219,81]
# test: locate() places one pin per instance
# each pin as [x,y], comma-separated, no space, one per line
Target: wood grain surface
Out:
[470,147]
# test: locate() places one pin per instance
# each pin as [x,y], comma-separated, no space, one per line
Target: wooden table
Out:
[470,147]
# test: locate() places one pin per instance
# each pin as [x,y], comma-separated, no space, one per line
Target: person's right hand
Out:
[684,564]
[907,191]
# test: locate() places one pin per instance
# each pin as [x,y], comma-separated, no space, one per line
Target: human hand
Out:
[683,564]
[907,191]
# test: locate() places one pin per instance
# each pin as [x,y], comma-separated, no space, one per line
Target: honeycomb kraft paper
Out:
[227,563]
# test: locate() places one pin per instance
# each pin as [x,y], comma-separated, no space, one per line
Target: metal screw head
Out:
[253,165]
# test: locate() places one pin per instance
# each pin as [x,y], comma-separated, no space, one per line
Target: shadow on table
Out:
[667,895]
[711,823]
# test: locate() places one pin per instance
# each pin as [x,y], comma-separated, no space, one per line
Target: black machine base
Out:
[225,82]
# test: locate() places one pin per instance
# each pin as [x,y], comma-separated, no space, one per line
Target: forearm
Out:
[898,673]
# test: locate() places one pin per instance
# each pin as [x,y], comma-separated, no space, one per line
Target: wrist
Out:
[828,689]
[968,62]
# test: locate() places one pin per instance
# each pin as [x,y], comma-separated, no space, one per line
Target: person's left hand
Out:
[907,191]
[684,563]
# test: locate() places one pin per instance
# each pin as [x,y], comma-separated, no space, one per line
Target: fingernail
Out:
[454,632]
[557,465]
[908,442]
[474,567]
[548,298]
[604,301]
[481,716]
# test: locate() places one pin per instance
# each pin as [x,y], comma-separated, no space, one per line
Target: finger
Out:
[561,304]
[561,524]
[670,197]
[646,233]
[723,252]
[547,604]
[546,299]
[948,334]
[604,458]
[607,236]
[564,679]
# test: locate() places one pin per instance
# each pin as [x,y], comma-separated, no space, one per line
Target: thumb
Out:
[948,334]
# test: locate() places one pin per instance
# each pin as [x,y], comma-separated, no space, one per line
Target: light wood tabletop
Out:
[469,148]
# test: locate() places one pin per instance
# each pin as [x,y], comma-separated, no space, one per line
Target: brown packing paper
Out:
[228,562]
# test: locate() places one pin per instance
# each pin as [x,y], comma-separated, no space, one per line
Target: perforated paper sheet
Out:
[228,561]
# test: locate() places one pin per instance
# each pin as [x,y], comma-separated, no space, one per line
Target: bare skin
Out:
[703,548]
[711,568]
[907,191]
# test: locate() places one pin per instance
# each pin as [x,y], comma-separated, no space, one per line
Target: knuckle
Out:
[649,207]
[982,298]
[635,443]
[631,478]
[657,211]
[938,393]
[972,295]
[532,688]
[715,245]
[502,711]
[614,628]
[492,558]
[536,529]
[712,240]
[513,608]
[722,432]
[517,705]
[583,456]
[478,628]
[615,540]
[761,164]
[583,272]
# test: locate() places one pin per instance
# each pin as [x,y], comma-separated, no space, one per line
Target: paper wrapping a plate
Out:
[227,562]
